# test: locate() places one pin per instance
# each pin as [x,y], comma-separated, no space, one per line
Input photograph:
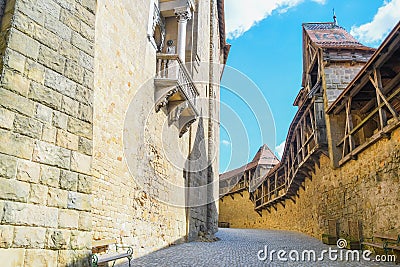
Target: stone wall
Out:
[337,77]
[360,190]
[45,132]
[238,210]
[125,65]
[66,94]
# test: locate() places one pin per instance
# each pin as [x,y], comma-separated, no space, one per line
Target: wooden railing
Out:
[234,184]
[374,119]
[306,138]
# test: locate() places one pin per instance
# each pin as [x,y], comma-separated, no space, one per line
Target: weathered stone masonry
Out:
[46,104]
[64,95]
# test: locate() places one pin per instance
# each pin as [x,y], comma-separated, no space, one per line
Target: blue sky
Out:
[266,38]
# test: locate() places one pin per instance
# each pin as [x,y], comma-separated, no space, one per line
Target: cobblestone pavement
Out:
[239,247]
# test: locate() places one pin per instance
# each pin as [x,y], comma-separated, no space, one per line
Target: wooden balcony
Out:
[368,110]
[175,91]
[305,140]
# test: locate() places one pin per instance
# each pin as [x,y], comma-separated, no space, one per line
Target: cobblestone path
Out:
[239,247]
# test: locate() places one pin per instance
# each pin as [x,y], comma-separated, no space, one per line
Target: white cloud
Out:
[384,20]
[242,15]
[226,142]
[279,149]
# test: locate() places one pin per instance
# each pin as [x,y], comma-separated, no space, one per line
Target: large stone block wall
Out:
[64,96]
[46,96]
[337,77]
[238,210]
[125,65]
[364,189]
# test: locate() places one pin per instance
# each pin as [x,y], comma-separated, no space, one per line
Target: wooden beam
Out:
[292,199]
[303,186]
[350,123]
[372,113]
[378,86]
[382,112]
[393,82]
[275,208]
[370,141]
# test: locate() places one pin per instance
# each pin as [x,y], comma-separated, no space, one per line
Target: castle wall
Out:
[239,212]
[125,65]
[74,74]
[361,190]
[46,97]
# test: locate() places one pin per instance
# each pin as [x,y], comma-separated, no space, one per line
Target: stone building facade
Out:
[339,173]
[85,118]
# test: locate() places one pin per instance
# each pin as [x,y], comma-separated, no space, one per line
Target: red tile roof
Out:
[331,35]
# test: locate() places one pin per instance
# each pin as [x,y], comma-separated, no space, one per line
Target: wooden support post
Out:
[348,130]
[262,193]
[274,206]
[382,112]
[312,121]
[302,137]
[293,159]
[377,83]
[299,160]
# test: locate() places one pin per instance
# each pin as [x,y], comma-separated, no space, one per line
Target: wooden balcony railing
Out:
[306,138]
[376,118]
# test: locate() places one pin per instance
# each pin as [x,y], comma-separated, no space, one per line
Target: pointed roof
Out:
[331,35]
[264,156]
